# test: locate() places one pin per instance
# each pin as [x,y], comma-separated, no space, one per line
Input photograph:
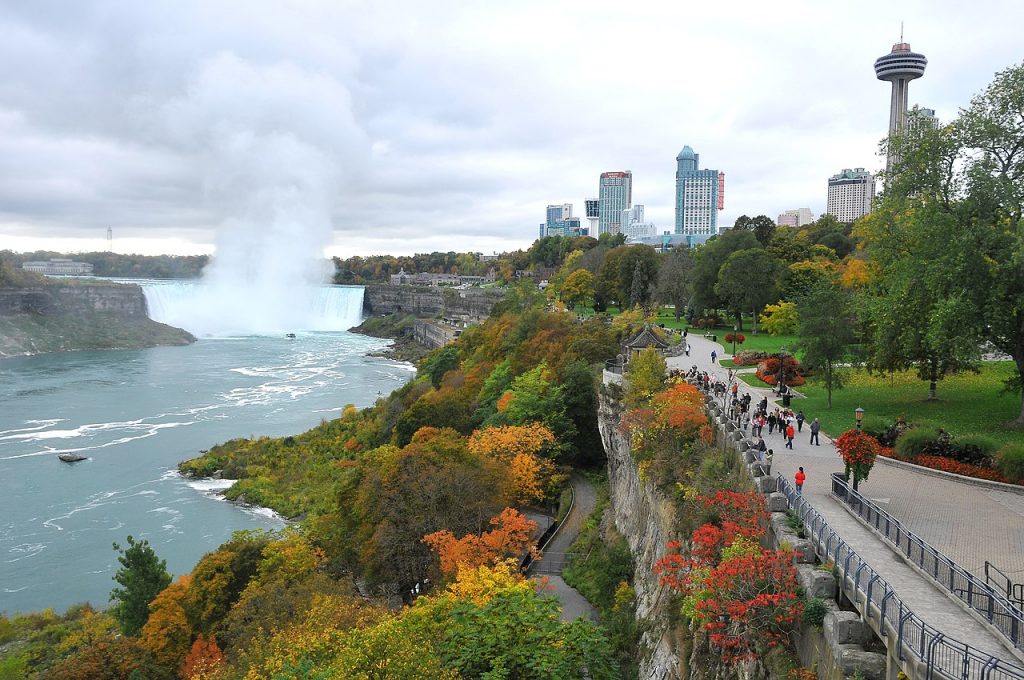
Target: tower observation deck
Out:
[899,67]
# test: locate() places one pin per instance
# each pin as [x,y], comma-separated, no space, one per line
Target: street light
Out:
[782,370]
[735,329]
[859,415]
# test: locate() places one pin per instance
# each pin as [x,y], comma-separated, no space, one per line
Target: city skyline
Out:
[430,148]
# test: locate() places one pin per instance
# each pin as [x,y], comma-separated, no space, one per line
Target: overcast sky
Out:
[418,126]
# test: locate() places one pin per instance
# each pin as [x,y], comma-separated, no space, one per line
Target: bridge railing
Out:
[988,602]
[942,656]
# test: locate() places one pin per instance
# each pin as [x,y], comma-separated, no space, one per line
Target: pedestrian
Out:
[714,355]
[790,433]
[773,420]
[768,462]
[815,429]
[735,389]
[761,448]
[800,478]
[687,349]
[800,417]
[685,331]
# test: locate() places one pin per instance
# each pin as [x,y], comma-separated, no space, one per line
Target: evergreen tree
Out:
[142,576]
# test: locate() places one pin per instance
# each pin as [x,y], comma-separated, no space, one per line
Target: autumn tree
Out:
[168,633]
[142,575]
[517,448]
[578,288]
[204,659]
[510,537]
[645,376]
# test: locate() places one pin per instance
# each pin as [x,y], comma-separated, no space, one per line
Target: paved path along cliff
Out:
[975,516]
[552,561]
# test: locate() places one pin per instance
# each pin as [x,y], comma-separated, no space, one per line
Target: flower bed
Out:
[946,464]
[768,371]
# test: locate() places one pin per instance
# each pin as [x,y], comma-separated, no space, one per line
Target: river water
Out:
[136,414]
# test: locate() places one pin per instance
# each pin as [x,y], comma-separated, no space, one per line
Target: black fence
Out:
[943,657]
[987,601]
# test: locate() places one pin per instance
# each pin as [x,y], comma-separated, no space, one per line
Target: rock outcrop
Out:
[469,304]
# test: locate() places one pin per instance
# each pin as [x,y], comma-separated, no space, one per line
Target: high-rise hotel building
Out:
[615,194]
[850,194]
[700,194]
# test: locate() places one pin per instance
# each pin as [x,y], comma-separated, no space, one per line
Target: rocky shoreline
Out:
[398,329]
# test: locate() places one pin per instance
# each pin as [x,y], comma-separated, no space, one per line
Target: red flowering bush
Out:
[744,596]
[858,451]
[768,371]
[739,338]
[750,357]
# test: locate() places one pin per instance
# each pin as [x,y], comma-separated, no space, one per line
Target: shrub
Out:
[882,429]
[1010,461]
[975,449]
[814,611]
[750,357]
[780,319]
[913,443]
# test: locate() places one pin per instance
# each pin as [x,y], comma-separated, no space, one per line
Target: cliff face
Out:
[79,317]
[645,517]
[123,300]
[471,304]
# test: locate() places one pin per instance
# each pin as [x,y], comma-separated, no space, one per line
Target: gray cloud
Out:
[443,126]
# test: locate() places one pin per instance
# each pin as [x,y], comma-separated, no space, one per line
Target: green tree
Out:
[438,363]
[789,245]
[142,576]
[762,227]
[825,331]
[645,377]
[675,279]
[747,281]
[709,258]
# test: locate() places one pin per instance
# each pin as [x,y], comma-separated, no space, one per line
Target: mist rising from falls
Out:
[207,310]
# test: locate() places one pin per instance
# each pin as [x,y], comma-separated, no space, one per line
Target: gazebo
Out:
[644,339]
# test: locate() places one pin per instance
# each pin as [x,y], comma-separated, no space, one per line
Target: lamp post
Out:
[735,329]
[782,368]
[859,415]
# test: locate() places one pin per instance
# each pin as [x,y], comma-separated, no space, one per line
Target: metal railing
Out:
[988,602]
[1014,591]
[943,657]
[613,366]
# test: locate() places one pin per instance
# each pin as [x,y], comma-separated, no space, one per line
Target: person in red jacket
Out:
[800,479]
[790,433]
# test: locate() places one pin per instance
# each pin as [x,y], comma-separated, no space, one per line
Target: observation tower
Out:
[899,67]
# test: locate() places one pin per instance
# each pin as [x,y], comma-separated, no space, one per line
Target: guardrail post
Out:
[930,662]
[989,667]
[899,632]
[867,604]
[885,601]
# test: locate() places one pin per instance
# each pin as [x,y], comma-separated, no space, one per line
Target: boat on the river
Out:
[71,457]
[290,336]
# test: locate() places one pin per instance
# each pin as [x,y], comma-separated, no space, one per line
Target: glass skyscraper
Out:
[700,194]
[615,194]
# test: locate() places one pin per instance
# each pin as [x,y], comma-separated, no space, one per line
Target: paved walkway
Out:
[967,520]
[550,564]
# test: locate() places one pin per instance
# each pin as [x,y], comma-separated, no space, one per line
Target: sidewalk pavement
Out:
[936,509]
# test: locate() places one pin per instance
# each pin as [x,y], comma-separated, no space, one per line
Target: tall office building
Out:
[850,194]
[615,194]
[555,218]
[700,194]
[899,67]
[920,117]
[634,226]
[593,210]
[797,217]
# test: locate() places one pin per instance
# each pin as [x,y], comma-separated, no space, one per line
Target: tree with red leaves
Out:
[858,452]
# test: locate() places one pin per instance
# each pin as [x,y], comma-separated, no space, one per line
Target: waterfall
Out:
[206,311]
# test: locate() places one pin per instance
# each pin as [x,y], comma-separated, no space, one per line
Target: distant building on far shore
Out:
[797,217]
[615,194]
[59,267]
[850,194]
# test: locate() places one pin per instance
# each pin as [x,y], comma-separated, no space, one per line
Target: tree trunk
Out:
[932,384]
[828,382]
[1019,361]
[754,329]
[739,321]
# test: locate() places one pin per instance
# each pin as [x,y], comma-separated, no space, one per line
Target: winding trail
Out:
[553,560]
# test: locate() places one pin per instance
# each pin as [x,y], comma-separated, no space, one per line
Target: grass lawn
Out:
[967,404]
